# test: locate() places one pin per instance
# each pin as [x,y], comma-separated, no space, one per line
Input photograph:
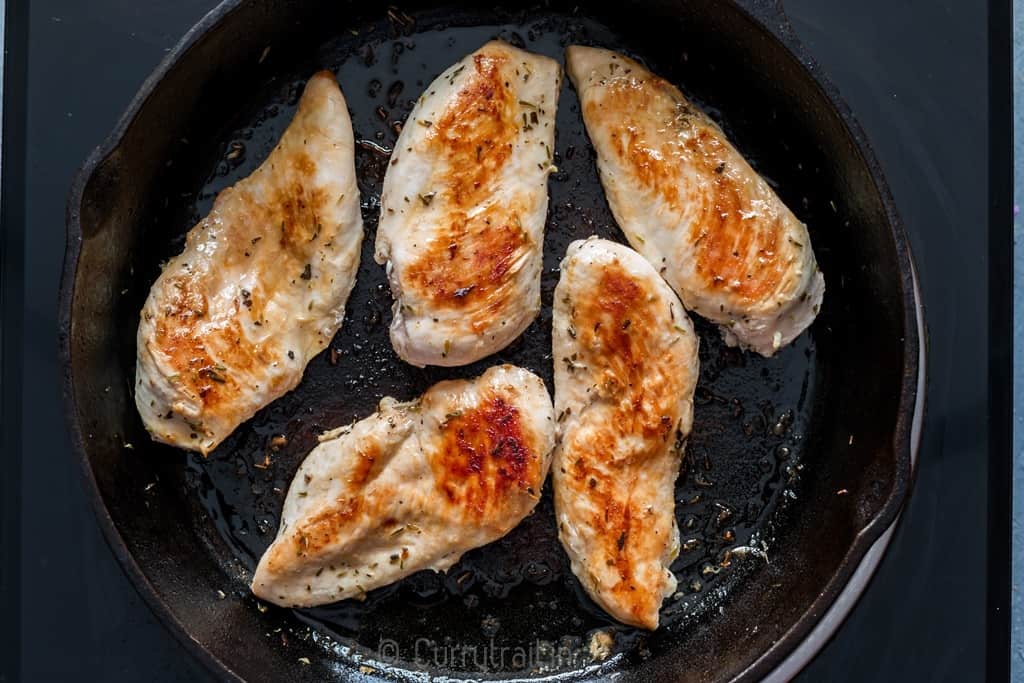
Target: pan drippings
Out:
[742,461]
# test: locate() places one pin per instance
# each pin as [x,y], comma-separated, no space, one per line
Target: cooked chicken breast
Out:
[261,286]
[625,371]
[692,205]
[411,487]
[463,207]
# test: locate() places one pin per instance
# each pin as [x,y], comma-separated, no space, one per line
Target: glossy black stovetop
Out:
[914,72]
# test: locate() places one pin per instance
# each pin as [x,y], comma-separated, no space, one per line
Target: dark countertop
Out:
[1017,533]
[915,74]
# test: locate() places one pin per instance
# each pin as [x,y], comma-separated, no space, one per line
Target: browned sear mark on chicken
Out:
[368,464]
[290,208]
[485,457]
[206,354]
[472,256]
[620,342]
[470,262]
[296,208]
[733,253]
[617,326]
[475,135]
[188,340]
[318,533]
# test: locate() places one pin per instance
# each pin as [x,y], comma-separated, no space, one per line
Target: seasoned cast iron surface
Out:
[751,414]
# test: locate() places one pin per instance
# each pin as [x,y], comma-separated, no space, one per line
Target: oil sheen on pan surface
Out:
[515,599]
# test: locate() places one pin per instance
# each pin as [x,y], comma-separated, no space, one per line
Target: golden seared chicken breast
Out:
[692,205]
[412,487]
[463,207]
[626,368]
[261,286]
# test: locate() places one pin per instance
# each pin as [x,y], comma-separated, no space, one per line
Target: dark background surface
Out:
[915,73]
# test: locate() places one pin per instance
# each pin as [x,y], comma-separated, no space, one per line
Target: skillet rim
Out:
[770,16]
[72,254]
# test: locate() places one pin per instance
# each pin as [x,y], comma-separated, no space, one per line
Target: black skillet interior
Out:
[790,459]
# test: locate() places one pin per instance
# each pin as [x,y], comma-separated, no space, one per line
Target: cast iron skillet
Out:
[796,466]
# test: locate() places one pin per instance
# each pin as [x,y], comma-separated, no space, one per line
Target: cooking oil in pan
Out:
[743,459]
